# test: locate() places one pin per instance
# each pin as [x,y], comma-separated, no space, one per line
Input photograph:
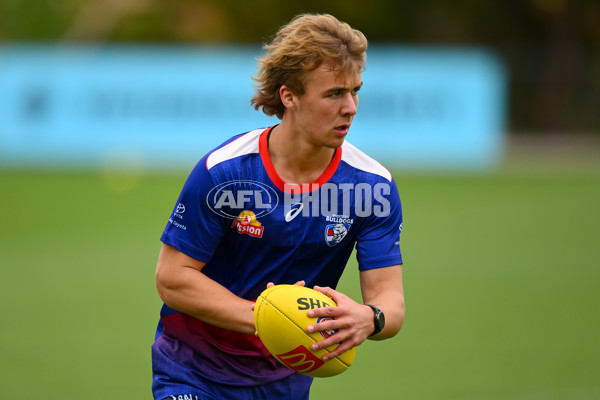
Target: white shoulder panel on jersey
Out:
[358,159]
[245,144]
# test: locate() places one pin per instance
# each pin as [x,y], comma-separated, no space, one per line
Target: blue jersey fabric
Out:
[237,215]
[294,387]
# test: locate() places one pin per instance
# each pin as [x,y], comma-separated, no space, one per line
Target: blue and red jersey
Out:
[237,215]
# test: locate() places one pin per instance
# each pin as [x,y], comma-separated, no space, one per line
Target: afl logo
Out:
[229,199]
[329,333]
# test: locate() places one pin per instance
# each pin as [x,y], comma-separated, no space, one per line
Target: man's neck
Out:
[296,160]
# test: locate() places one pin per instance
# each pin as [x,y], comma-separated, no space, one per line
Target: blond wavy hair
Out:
[302,46]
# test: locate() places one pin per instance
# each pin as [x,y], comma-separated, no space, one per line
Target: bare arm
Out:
[382,287]
[353,321]
[183,287]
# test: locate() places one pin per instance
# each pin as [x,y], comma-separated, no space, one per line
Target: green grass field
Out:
[501,275]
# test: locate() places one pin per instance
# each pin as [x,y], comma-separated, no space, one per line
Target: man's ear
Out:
[287,97]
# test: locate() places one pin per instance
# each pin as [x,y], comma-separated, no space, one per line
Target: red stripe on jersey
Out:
[266,159]
[193,332]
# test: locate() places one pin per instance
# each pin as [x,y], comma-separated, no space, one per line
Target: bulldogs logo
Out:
[329,333]
[335,233]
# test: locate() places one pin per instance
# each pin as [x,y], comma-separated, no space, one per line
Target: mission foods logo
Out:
[247,223]
[229,199]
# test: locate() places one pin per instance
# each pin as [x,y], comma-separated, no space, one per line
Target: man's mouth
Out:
[342,129]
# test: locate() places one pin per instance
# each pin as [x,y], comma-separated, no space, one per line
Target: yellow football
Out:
[281,319]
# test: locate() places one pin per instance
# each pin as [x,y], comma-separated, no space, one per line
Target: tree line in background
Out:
[550,48]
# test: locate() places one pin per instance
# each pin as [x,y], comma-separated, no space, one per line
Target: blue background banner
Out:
[164,107]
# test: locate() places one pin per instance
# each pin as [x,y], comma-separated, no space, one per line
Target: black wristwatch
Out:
[378,319]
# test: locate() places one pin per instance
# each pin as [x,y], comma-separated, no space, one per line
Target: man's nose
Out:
[350,104]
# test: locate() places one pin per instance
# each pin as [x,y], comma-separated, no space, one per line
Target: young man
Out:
[285,204]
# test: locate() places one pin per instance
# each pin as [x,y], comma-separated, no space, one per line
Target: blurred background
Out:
[550,47]
[487,113]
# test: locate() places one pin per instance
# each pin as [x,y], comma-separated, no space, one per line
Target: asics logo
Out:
[294,211]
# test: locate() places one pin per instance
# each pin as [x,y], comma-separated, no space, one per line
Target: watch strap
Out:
[378,320]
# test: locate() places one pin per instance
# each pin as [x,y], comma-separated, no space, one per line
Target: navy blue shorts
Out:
[294,387]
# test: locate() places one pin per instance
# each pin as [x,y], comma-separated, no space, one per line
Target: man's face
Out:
[324,113]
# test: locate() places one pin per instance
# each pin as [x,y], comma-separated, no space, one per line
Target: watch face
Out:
[378,320]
